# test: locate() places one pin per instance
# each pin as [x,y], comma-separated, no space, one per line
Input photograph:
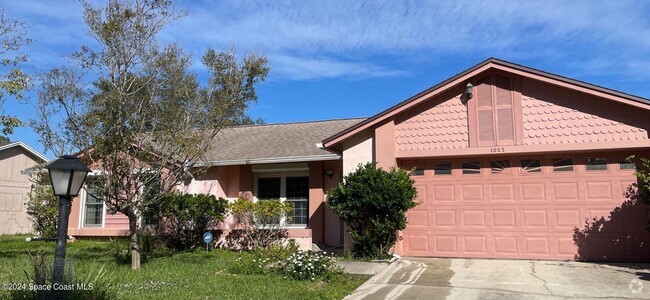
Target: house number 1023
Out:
[497,149]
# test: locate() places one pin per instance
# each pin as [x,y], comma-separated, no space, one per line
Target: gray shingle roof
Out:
[275,142]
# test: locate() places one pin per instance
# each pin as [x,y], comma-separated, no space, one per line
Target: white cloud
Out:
[308,40]
[299,68]
[360,31]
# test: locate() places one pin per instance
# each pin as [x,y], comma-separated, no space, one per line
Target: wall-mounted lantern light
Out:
[329,173]
[469,90]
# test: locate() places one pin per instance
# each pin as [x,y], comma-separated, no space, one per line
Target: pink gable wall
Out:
[551,118]
[554,115]
[441,124]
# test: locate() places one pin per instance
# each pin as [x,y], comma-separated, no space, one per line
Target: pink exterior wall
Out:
[246,182]
[554,115]
[209,183]
[440,123]
[332,223]
[516,214]
[116,221]
[114,225]
[316,201]
[549,118]
[323,226]
[385,145]
[233,182]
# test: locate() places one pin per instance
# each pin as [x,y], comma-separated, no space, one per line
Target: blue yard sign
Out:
[207,237]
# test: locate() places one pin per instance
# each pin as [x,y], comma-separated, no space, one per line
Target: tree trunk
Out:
[133,240]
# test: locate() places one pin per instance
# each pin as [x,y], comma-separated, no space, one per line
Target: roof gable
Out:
[26,148]
[471,73]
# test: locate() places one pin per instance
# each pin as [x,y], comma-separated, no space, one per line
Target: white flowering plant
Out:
[308,265]
[300,265]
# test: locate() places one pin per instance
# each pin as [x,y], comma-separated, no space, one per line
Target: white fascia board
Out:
[27,148]
[270,160]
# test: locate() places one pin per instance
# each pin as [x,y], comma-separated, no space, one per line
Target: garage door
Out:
[553,207]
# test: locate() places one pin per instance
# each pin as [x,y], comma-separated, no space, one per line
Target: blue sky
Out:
[341,59]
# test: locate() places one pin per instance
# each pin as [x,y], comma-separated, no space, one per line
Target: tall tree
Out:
[142,118]
[13,81]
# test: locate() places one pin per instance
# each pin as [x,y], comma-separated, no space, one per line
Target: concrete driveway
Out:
[441,278]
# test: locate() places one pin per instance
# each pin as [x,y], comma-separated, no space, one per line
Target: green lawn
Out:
[166,275]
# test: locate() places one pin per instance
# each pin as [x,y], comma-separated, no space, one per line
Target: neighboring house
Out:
[14,186]
[514,171]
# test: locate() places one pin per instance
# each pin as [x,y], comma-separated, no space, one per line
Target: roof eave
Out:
[269,160]
[333,141]
[26,148]
[432,91]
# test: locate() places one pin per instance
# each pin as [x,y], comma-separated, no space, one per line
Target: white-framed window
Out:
[292,187]
[297,191]
[92,209]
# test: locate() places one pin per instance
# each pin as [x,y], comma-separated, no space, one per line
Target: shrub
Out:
[373,202]
[185,217]
[42,206]
[642,174]
[299,265]
[261,224]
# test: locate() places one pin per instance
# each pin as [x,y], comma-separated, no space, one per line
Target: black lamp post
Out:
[67,175]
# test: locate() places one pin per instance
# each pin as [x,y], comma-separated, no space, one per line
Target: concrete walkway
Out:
[440,278]
[362,267]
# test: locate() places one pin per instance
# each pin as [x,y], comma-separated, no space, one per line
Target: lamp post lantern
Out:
[67,175]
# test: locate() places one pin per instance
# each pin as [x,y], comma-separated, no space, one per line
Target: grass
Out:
[166,274]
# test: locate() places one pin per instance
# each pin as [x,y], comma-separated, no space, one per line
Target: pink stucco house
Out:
[510,162]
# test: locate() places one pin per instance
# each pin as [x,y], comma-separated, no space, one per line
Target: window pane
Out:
[626,165]
[531,166]
[563,165]
[298,194]
[596,163]
[93,214]
[268,188]
[442,169]
[94,206]
[297,187]
[417,172]
[92,195]
[300,213]
[500,166]
[473,167]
